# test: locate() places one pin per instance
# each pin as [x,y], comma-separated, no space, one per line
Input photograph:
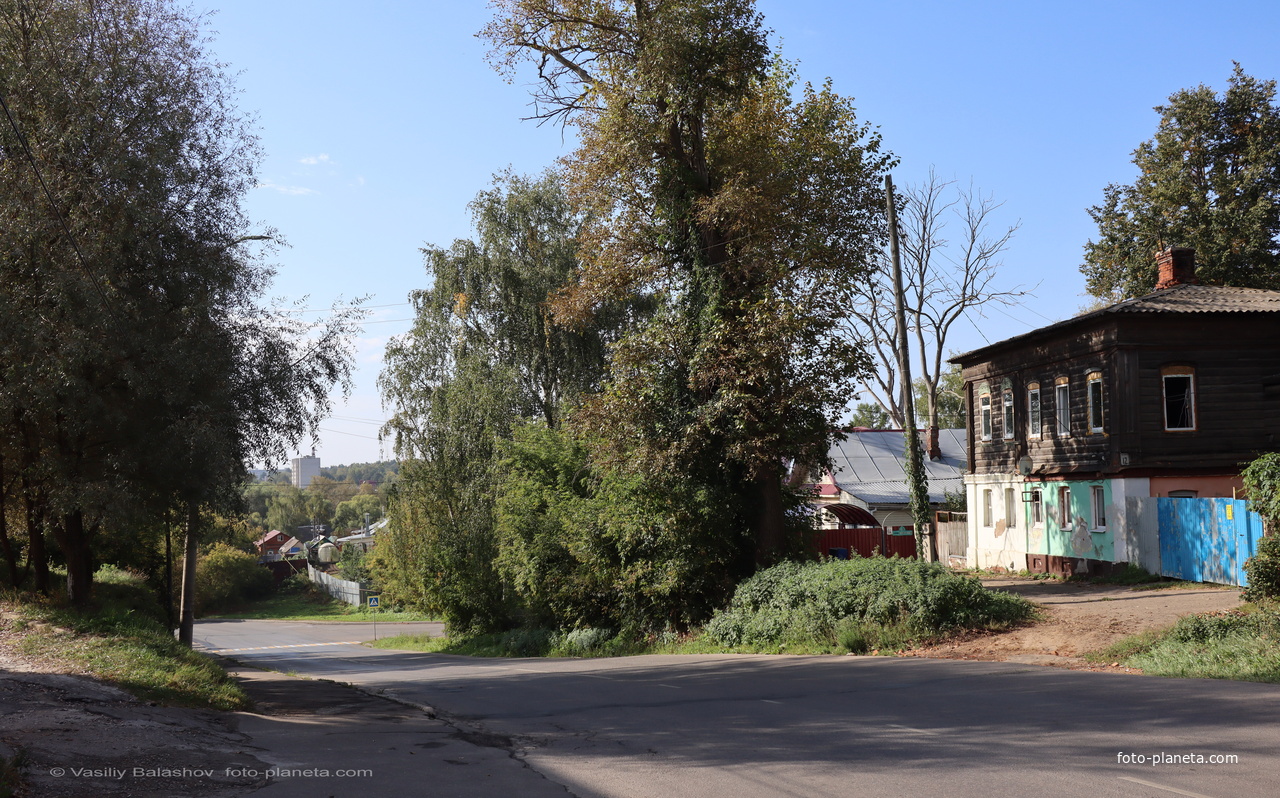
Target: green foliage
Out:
[950,399]
[820,601]
[871,416]
[589,546]
[227,576]
[1209,179]
[353,567]
[140,370]
[481,357]
[745,206]
[1262,486]
[1263,570]
[350,515]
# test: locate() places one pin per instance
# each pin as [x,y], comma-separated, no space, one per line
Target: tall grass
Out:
[1243,646]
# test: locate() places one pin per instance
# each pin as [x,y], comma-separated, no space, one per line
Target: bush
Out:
[1263,570]
[227,576]
[859,603]
[1212,628]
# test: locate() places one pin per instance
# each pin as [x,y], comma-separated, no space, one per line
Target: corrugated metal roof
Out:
[1178,299]
[871,464]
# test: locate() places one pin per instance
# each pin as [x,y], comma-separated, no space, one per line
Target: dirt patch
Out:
[1080,619]
[73,735]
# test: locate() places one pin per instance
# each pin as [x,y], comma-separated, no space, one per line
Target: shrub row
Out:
[852,602]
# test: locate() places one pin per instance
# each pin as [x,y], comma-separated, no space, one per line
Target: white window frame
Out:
[1064,507]
[1010,513]
[984,405]
[1095,405]
[1180,373]
[1034,422]
[1037,507]
[1062,409]
[1098,506]
[987,520]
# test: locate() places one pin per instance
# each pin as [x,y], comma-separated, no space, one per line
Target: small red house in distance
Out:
[268,545]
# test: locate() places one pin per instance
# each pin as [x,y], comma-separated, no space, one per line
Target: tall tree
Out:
[747,212]
[482,355]
[137,369]
[944,280]
[1209,179]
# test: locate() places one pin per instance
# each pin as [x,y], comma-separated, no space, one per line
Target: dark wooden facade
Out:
[1233,357]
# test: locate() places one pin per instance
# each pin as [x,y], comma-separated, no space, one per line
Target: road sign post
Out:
[375,604]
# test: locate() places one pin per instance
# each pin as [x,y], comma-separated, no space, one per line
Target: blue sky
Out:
[381,121]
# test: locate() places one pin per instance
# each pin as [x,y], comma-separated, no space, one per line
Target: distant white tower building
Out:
[305,469]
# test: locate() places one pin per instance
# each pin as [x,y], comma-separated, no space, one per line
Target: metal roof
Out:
[871,465]
[1185,298]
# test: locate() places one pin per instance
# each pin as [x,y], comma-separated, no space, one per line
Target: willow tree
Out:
[138,372]
[750,212]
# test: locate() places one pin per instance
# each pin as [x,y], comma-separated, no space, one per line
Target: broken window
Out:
[1179,398]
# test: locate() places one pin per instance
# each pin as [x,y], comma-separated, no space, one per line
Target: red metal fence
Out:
[865,541]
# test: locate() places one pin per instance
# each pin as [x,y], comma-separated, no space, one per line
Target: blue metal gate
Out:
[1207,540]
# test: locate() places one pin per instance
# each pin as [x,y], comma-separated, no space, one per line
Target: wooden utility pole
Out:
[917,480]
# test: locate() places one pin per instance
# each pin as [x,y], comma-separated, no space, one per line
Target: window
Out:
[1095,401]
[1062,402]
[1008,413]
[985,403]
[1179,397]
[1098,495]
[1183,494]
[986,507]
[1033,410]
[1037,506]
[1064,507]
[1010,516]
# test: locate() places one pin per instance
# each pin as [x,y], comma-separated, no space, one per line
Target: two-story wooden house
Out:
[1169,394]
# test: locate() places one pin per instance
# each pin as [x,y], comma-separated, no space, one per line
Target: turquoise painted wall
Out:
[1076,539]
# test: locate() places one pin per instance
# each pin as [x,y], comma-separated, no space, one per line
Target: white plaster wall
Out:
[1124,533]
[996,546]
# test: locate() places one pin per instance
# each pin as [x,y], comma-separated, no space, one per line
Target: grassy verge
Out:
[1240,645]
[122,640]
[313,606]
[545,643]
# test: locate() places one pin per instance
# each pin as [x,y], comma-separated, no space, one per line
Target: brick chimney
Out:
[935,446]
[1177,267]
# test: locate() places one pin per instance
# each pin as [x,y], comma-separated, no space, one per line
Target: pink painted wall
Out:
[1205,487]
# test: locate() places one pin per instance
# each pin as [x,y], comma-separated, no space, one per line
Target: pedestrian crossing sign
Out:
[373,602]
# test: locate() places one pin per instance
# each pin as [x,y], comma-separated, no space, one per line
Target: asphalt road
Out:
[756,726]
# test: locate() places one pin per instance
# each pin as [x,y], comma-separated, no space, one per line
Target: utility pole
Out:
[917,480]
